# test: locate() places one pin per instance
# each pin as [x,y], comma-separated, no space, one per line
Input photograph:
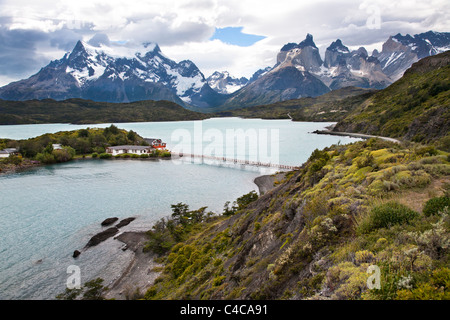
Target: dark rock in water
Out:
[109,221]
[102,236]
[76,253]
[125,222]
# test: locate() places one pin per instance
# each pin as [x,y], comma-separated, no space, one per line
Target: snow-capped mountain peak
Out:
[337,46]
[86,63]
[145,63]
[224,83]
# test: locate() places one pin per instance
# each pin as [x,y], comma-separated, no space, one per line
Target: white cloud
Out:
[183,27]
[215,55]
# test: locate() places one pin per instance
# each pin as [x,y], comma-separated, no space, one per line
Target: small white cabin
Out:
[5,153]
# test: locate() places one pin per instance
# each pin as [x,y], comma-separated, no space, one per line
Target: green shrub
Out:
[155,153]
[15,160]
[427,150]
[95,155]
[46,158]
[63,155]
[144,156]
[218,281]
[436,287]
[105,156]
[434,205]
[366,160]
[387,215]
[318,160]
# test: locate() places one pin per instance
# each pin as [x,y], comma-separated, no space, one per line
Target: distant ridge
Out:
[79,111]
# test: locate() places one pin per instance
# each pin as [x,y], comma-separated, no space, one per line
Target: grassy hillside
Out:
[415,108]
[332,106]
[316,233]
[86,111]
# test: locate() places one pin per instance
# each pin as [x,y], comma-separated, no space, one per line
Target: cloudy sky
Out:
[240,36]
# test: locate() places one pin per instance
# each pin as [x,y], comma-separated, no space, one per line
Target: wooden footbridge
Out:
[237,161]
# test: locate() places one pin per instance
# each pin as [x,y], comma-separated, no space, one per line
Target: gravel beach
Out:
[139,275]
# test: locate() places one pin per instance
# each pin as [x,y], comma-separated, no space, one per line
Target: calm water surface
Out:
[46,213]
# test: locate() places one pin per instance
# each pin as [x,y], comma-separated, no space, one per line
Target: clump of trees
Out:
[240,203]
[91,290]
[169,231]
[50,155]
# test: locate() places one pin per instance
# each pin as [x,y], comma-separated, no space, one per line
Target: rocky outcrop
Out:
[395,58]
[125,222]
[304,54]
[76,253]
[109,221]
[102,236]
[335,53]
[105,234]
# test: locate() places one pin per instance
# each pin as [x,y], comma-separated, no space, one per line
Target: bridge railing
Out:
[238,161]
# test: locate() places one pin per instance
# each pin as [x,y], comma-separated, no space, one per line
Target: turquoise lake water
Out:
[48,212]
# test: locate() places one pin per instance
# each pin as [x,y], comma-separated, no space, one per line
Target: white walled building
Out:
[129,149]
[5,153]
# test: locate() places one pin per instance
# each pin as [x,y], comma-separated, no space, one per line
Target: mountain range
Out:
[301,66]
[107,74]
[101,72]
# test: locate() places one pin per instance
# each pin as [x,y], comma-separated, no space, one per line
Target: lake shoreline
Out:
[24,166]
[330,131]
[141,270]
[31,164]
